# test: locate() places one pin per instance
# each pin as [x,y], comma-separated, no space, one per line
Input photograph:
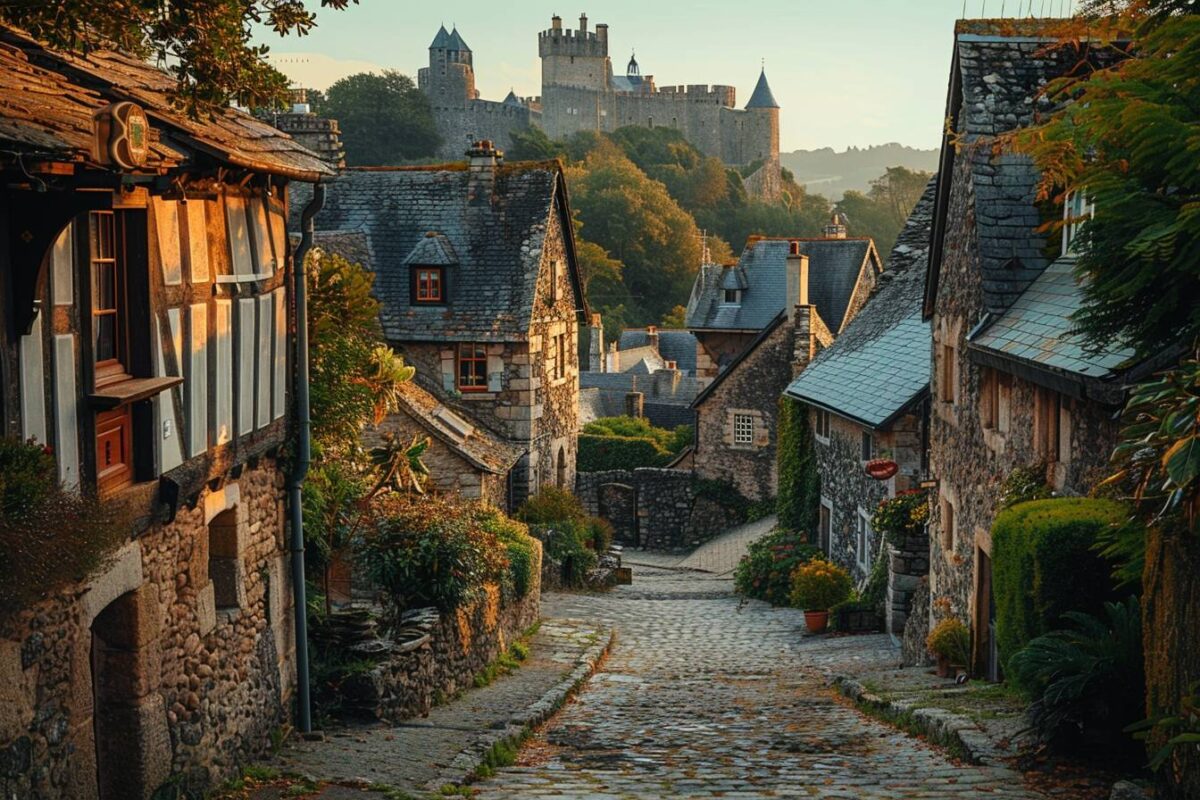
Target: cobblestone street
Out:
[703,698]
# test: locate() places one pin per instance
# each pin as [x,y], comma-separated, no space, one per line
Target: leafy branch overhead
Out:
[206,44]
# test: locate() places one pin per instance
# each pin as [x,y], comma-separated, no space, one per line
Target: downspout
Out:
[303,456]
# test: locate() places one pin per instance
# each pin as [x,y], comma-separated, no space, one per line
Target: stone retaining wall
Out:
[656,509]
[908,563]
[461,644]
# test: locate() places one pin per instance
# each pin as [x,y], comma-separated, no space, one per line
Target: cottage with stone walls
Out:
[867,399]
[479,288]
[146,337]
[1011,387]
[758,323]
[647,373]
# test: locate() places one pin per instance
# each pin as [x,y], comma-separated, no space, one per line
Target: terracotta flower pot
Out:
[816,621]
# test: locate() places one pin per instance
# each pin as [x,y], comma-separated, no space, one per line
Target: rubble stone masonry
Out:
[185,639]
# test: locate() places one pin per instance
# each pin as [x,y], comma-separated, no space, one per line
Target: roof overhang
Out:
[883,424]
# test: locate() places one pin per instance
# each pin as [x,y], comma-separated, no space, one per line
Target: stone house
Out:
[1010,386]
[867,399]
[146,308]
[479,288]
[757,324]
[647,373]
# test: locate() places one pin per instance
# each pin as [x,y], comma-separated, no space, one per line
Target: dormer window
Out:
[429,285]
[733,297]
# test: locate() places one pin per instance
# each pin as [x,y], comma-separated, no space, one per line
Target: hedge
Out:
[1044,565]
[598,453]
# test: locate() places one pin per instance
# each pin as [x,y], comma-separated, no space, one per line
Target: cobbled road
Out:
[703,696]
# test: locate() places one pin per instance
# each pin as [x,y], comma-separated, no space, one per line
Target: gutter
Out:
[303,458]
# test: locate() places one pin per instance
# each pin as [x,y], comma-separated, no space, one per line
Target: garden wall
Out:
[460,644]
[656,509]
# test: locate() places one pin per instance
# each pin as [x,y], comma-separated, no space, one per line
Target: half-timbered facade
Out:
[145,336]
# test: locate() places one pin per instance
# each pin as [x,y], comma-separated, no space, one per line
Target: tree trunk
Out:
[1171,635]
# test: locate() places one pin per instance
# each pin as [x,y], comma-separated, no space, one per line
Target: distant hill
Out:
[830,173]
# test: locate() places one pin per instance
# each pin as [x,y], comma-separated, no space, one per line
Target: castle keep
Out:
[581,93]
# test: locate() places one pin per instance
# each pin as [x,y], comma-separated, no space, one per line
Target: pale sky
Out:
[845,72]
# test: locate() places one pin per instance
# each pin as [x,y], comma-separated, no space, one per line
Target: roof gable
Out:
[495,247]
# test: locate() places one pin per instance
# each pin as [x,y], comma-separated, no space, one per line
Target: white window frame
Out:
[1077,209]
[825,539]
[743,429]
[737,297]
[862,539]
[821,419]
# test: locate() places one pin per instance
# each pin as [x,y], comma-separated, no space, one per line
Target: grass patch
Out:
[906,721]
[507,662]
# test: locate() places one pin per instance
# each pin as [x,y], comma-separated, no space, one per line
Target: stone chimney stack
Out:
[602,33]
[652,336]
[614,358]
[481,183]
[635,405]
[836,229]
[797,279]
[583,24]
[596,344]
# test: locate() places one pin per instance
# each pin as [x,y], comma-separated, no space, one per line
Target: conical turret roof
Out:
[512,99]
[456,42]
[442,40]
[762,97]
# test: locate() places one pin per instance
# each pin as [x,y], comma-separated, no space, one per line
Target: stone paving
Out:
[705,696]
[718,557]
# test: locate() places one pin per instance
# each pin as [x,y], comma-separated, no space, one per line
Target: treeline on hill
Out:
[647,202]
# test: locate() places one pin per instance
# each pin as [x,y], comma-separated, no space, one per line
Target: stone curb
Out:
[941,726]
[522,723]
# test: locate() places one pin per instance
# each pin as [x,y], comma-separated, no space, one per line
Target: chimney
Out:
[797,279]
[614,358]
[836,229]
[652,336]
[481,182]
[556,23]
[596,344]
[583,23]
[602,35]
[635,404]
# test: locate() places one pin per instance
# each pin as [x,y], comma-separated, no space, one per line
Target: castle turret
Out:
[760,141]
[449,80]
[577,59]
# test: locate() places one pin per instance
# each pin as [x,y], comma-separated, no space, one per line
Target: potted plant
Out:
[816,587]
[950,644]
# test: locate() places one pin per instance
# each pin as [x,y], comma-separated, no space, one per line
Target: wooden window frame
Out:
[989,399]
[948,522]
[862,538]
[109,370]
[740,429]
[736,295]
[477,355]
[947,374]
[1048,425]
[429,286]
[825,525]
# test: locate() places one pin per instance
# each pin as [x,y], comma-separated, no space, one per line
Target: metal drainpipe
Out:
[302,458]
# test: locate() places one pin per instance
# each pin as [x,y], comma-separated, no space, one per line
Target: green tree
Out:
[637,221]
[532,144]
[384,118]
[206,44]
[675,319]
[799,498]
[882,211]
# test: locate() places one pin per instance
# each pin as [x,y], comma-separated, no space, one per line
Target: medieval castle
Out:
[580,92]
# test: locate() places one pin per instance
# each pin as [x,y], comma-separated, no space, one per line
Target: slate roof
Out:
[725,372]
[1036,328]
[512,99]
[673,345]
[476,444]
[834,269]
[354,246]
[999,69]
[762,97]
[492,250]
[880,363]
[441,40]
[48,98]
[456,41]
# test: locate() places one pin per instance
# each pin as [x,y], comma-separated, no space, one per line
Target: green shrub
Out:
[1044,565]
[568,534]
[1087,683]
[49,538]
[430,551]
[551,505]
[950,639]
[820,585]
[1024,484]
[519,547]
[765,572]
[599,534]
[799,498]
[629,443]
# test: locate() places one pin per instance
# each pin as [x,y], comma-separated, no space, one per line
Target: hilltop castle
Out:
[581,93]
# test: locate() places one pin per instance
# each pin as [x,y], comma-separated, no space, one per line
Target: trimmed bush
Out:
[765,572]
[1044,565]
[950,639]
[570,537]
[629,443]
[798,504]
[519,547]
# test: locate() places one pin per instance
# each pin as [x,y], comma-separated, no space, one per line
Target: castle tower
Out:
[763,143]
[449,80]
[577,59]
